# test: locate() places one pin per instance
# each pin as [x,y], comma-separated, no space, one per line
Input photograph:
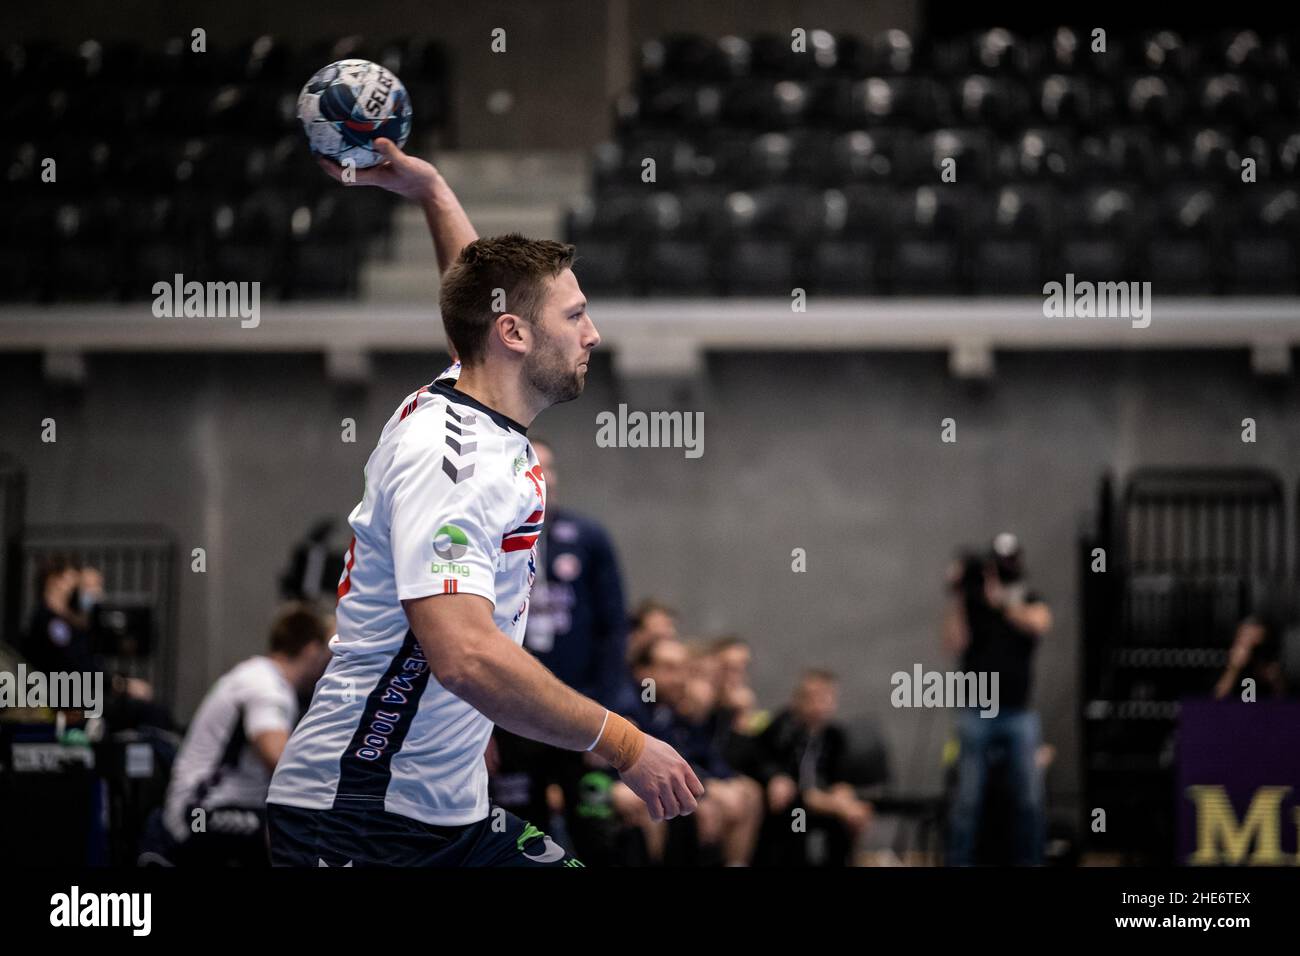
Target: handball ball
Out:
[346,106]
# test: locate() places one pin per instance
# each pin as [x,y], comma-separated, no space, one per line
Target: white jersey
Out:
[453,504]
[216,766]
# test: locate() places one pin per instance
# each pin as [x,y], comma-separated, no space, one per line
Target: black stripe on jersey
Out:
[229,759]
[460,398]
[366,767]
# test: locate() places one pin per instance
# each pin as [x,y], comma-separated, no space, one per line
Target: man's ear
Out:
[513,331]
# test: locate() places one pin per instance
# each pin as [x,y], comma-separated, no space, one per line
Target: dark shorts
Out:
[350,837]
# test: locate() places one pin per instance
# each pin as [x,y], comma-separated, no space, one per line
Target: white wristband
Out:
[602,730]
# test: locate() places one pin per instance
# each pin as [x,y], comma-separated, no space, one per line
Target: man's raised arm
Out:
[412,178]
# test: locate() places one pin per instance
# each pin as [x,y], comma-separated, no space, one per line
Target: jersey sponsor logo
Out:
[450,542]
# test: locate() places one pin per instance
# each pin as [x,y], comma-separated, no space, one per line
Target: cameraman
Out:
[993,621]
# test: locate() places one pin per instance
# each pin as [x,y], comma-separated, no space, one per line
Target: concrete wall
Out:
[837,454]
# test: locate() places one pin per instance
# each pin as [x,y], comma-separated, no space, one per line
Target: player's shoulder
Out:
[256,676]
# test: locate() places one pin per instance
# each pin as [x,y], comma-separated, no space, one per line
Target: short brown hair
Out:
[511,262]
[647,607]
[818,675]
[295,627]
[726,642]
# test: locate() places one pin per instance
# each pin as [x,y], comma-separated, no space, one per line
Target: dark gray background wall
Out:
[838,454]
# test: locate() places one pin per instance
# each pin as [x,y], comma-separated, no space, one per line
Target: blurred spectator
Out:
[523,775]
[577,627]
[1255,655]
[803,762]
[59,639]
[735,695]
[679,705]
[58,636]
[216,803]
[577,624]
[994,621]
[650,621]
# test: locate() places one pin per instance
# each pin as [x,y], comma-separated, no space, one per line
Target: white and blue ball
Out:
[349,104]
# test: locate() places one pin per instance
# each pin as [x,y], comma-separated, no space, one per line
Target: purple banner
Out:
[1239,783]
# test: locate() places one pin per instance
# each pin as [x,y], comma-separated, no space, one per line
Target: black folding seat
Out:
[998,102]
[1287,152]
[998,50]
[675,105]
[1157,101]
[85,166]
[326,250]
[1184,251]
[248,241]
[971,149]
[1215,154]
[267,60]
[683,56]
[1014,234]
[27,238]
[85,261]
[931,229]
[1164,52]
[814,156]
[289,165]
[841,257]
[1077,101]
[1233,99]
[887,101]
[1239,51]
[605,228]
[854,59]
[1101,234]
[764,104]
[178,63]
[617,165]
[681,229]
[1070,51]
[224,166]
[1117,153]
[762,232]
[893,53]
[875,155]
[772,56]
[1263,247]
[1041,155]
[330,217]
[770,159]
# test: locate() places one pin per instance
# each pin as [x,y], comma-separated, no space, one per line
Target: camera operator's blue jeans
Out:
[1017,734]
